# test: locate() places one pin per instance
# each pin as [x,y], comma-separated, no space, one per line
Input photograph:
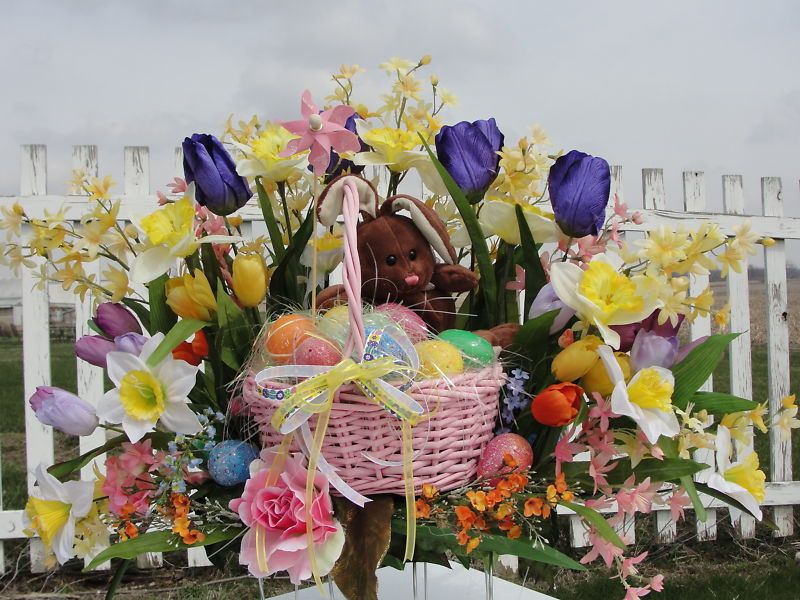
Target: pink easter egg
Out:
[409,321]
[492,458]
[317,351]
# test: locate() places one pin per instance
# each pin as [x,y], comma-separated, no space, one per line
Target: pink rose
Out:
[279,511]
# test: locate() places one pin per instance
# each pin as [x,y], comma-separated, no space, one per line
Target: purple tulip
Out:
[547,300]
[93,349]
[652,350]
[468,151]
[579,187]
[64,411]
[627,334]
[339,165]
[114,319]
[208,165]
[665,330]
[131,343]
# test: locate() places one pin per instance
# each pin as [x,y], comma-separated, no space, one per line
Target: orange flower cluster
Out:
[536,506]
[429,493]
[127,529]
[181,524]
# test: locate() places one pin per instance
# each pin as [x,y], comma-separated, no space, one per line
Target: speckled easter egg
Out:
[229,462]
[406,319]
[286,334]
[438,358]
[335,323]
[318,351]
[477,351]
[492,458]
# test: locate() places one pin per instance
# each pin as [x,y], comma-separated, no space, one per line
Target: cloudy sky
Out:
[709,86]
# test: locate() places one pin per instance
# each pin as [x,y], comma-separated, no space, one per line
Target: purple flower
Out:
[468,151]
[627,333]
[547,300]
[685,350]
[653,350]
[64,411]
[114,319]
[339,165]
[665,330]
[579,187]
[208,165]
[131,343]
[93,349]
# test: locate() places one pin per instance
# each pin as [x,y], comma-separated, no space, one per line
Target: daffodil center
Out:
[141,395]
[747,475]
[651,390]
[170,225]
[48,517]
[609,289]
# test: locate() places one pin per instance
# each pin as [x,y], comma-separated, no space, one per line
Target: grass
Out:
[721,570]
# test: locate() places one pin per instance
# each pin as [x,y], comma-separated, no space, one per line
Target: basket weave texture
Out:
[447,445]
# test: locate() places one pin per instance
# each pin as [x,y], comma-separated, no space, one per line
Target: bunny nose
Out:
[412,280]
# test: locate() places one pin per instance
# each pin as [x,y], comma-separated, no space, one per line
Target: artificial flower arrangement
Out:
[496,357]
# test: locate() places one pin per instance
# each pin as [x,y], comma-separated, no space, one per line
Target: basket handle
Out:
[351,277]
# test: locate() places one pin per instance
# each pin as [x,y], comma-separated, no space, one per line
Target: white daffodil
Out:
[52,509]
[171,235]
[602,295]
[647,398]
[396,148]
[329,248]
[500,218]
[263,156]
[146,395]
[743,480]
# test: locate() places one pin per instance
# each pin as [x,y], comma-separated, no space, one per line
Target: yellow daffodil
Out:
[262,157]
[602,295]
[100,189]
[330,252]
[12,220]
[396,65]
[250,279]
[665,247]
[787,417]
[191,296]
[115,280]
[144,395]
[52,510]
[500,218]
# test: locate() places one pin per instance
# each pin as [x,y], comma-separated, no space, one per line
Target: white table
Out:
[456,583]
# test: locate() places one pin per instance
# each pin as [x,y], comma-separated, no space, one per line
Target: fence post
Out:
[35,341]
[777,349]
[741,368]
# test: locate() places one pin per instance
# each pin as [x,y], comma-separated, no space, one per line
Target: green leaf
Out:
[161,316]
[284,280]
[694,370]
[535,277]
[597,521]
[717,403]
[236,329]
[160,541]
[531,339]
[479,248]
[670,448]
[275,235]
[141,311]
[63,470]
[179,332]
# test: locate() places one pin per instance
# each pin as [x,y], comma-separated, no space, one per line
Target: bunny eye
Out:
[391,260]
[412,255]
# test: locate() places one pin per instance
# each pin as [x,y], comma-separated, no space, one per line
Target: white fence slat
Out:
[741,369]
[179,161]
[33,170]
[653,190]
[136,171]
[2,547]
[778,349]
[84,158]
[694,200]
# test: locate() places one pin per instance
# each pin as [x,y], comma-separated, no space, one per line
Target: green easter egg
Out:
[477,351]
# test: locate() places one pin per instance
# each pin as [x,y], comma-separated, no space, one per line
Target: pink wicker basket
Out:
[461,412]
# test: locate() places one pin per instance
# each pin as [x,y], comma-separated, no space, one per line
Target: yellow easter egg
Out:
[337,315]
[438,358]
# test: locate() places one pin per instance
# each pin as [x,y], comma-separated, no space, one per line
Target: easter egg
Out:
[335,323]
[477,351]
[406,319]
[381,342]
[438,358]
[286,334]
[229,462]
[492,461]
[317,350]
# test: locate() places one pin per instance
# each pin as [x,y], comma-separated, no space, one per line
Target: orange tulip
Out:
[557,405]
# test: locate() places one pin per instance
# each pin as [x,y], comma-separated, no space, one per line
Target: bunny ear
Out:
[427,221]
[329,205]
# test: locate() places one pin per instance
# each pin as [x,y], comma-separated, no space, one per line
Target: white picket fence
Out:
[782,491]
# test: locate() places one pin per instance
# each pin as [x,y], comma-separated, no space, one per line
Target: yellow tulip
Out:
[191,297]
[249,279]
[597,380]
[574,361]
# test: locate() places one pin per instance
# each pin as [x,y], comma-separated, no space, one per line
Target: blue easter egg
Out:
[229,462]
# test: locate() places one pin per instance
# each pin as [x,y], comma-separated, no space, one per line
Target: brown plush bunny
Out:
[397,255]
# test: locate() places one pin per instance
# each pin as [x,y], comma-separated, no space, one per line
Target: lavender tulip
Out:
[547,300]
[579,187]
[64,411]
[131,343]
[468,151]
[93,349]
[685,350]
[114,319]
[208,165]
[652,350]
